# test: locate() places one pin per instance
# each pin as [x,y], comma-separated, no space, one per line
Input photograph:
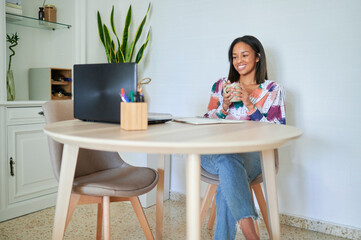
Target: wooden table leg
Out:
[193,197]
[160,198]
[68,164]
[269,180]
[106,217]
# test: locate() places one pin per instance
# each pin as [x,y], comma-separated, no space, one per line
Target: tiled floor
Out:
[124,225]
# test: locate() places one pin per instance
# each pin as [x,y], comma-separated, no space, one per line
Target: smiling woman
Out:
[251,96]
[245,95]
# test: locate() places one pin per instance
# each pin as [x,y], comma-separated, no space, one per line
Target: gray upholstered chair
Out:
[213,183]
[100,177]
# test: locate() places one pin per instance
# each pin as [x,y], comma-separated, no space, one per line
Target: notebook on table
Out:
[206,121]
[97,88]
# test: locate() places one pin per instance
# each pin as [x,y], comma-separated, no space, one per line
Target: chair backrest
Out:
[89,161]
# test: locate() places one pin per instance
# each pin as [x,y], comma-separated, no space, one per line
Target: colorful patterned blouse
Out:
[268,98]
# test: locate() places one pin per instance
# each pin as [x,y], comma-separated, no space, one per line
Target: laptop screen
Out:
[97,88]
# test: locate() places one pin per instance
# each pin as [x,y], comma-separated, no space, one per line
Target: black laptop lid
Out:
[97,88]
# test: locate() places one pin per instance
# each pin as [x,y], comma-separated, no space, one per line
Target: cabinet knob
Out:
[41,113]
[12,162]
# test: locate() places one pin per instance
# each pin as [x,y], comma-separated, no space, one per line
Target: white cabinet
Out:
[32,174]
[29,184]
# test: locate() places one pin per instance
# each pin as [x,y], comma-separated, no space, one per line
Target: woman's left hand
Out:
[244,97]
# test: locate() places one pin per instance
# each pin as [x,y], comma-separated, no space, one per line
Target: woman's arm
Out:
[271,108]
[219,102]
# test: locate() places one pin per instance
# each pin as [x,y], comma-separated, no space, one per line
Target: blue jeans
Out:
[233,199]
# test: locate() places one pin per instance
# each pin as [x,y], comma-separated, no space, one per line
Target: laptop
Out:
[97,88]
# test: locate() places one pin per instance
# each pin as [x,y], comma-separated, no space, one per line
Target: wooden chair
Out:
[213,182]
[100,177]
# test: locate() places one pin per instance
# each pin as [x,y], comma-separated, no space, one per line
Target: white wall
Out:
[39,48]
[313,49]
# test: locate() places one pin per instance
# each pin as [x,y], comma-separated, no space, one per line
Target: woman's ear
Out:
[258,57]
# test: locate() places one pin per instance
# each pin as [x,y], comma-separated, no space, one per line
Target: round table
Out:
[172,138]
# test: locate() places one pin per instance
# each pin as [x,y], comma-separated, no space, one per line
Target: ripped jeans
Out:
[233,198]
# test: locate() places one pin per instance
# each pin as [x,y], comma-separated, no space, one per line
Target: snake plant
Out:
[125,50]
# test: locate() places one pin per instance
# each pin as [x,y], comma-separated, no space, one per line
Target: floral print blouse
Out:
[268,98]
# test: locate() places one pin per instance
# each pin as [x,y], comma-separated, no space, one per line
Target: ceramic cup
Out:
[228,88]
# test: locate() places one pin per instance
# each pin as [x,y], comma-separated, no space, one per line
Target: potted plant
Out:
[10,85]
[125,50]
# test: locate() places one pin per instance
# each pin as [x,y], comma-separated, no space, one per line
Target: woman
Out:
[253,98]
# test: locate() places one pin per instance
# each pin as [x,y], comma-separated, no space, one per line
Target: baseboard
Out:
[299,222]
[321,226]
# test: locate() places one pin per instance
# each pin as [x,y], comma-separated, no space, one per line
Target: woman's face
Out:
[244,59]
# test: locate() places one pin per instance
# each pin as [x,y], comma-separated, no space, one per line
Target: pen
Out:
[123,96]
[137,97]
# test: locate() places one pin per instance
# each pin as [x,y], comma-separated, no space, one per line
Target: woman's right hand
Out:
[226,96]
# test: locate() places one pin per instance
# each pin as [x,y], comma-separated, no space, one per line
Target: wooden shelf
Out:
[60,98]
[42,85]
[59,83]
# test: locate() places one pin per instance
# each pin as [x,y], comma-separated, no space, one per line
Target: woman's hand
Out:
[227,96]
[244,97]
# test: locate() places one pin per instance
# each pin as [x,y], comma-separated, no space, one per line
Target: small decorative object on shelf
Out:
[50,13]
[59,92]
[41,13]
[10,85]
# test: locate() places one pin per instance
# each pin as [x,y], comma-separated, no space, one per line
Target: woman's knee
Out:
[209,163]
[231,161]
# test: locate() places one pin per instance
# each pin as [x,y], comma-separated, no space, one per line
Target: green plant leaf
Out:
[113,53]
[100,29]
[137,35]
[102,37]
[120,56]
[108,42]
[142,49]
[113,26]
[127,53]
[128,21]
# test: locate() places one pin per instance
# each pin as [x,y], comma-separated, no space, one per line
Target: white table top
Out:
[173,137]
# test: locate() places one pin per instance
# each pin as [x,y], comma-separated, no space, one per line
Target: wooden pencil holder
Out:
[134,115]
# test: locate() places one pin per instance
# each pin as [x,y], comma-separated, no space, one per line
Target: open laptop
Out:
[97,88]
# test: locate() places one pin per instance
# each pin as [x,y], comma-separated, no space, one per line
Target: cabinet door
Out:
[32,172]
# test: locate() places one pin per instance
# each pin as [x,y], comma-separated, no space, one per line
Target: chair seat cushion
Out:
[126,181]
[209,178]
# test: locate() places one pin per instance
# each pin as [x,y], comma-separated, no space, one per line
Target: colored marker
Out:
[123,96]
[131,96]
